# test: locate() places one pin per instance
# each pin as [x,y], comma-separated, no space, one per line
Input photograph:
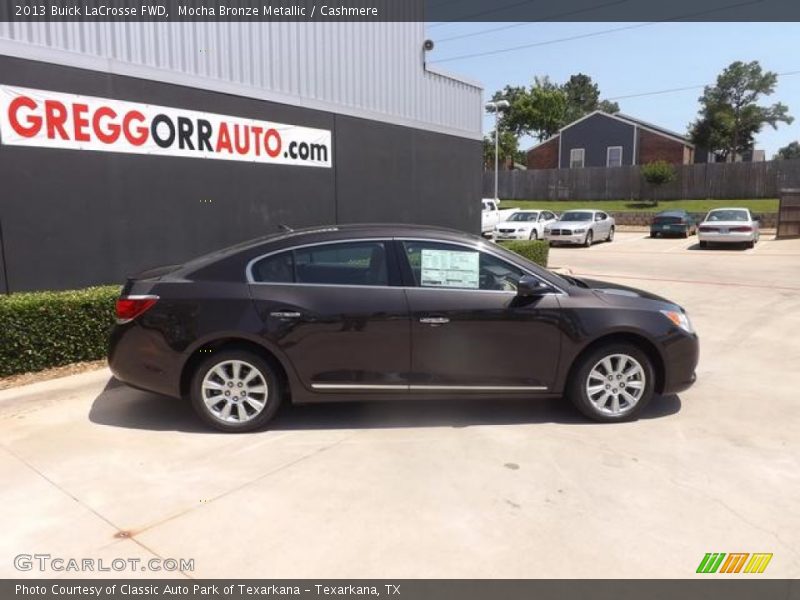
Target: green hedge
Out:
[534,250]
[39,330]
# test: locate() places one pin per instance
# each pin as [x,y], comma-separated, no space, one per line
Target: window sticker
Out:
[450,268]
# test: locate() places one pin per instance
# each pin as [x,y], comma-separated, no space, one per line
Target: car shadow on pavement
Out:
[121,406]
[726,247]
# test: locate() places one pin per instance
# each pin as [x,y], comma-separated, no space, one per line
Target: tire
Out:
[600,405]
[704,244]
[610,237]
[212,369]
[750,244]
[686,233]
[653,234]
[589,239]
[534,235]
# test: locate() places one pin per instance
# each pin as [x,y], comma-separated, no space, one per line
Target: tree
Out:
[508,148]
[789,152]
[657,174]
[583,97]
[730,116]
[546,107]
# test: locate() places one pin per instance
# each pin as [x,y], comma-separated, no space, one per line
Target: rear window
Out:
[349,263]
[728,215]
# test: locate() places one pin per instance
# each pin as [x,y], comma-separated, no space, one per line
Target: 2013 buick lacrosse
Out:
[387,312]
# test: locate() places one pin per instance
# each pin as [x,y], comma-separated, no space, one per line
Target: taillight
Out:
[130,307]
[707,229]
[743,229]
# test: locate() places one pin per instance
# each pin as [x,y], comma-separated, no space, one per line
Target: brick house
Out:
[601,139]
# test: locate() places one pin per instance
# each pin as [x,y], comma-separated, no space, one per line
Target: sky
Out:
[641,58]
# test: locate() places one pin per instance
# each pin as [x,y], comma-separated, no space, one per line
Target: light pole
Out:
[496,107]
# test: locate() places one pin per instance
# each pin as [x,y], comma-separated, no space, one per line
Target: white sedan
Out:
[524,225]
[729,226]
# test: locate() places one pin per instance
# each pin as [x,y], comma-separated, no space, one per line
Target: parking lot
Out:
[94,469]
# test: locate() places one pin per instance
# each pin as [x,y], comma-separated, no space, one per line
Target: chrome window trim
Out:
[478,246]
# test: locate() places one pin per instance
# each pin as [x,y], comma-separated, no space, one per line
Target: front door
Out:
[337,311]
[469,329]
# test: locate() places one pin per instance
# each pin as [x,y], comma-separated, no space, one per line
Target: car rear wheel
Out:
[589,238]
[235,391]
[704,244]
[612,383]
[610,237]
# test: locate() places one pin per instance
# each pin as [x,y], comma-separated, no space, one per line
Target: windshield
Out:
[521,216]
[576,216]
[727,215]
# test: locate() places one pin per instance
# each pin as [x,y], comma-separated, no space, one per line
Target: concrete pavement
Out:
[90,468]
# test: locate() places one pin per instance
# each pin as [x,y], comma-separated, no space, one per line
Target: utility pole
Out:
[496,107]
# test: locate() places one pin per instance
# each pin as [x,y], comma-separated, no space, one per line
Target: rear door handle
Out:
[434,320]
[285,314]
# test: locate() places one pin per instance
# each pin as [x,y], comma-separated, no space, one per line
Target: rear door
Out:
[337,310]
[469,330]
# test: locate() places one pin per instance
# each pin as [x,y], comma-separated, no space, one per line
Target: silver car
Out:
[582,227]
[729,226]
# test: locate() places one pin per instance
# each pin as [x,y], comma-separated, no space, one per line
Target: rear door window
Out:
[349,263]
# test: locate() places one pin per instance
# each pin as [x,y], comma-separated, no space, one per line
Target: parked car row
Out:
[584,227]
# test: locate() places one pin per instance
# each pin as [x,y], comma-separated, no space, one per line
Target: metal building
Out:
[114,158]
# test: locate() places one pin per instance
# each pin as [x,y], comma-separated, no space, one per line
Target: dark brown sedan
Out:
[387,312]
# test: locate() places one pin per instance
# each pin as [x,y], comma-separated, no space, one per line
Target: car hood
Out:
[516,224]
[613,293]
[571,224]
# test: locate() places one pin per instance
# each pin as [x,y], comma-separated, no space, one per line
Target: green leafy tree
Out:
[583,97]
[508,149]
[657,174]
[789,152]
[545,107]
[730,115]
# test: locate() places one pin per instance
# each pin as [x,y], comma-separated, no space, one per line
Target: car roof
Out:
[589,210]
[528,210]
[729,208]
[332,233]
[677,211]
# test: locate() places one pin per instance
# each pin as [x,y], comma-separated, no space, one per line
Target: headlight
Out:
[578,231]
[520,230]
[679,319]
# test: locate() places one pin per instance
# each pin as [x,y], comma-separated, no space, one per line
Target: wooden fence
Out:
[717,180]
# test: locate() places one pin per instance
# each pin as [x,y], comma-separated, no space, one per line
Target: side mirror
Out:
[529,286]
[756,217]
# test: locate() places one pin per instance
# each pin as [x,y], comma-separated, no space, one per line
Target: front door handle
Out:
[434,320]
[285,314]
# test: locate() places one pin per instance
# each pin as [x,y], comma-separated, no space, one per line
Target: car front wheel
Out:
[534,235]
[589,238]
[235,390]
[612,383]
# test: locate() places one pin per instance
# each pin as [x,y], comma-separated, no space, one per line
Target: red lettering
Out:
[79,123]
[256,142]
[274,135]
[242,148]
[224,139]
[34,123]
[111,133]
[56,116]
[139,135]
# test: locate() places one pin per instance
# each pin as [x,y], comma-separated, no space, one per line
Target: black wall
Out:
[74,218]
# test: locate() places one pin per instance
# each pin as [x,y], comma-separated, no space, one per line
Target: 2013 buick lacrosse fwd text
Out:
[389,312]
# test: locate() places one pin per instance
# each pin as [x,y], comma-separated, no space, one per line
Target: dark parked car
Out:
[673,222]
[391,312]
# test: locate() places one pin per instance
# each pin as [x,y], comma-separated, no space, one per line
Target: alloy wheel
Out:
[615,384]
[234,391]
